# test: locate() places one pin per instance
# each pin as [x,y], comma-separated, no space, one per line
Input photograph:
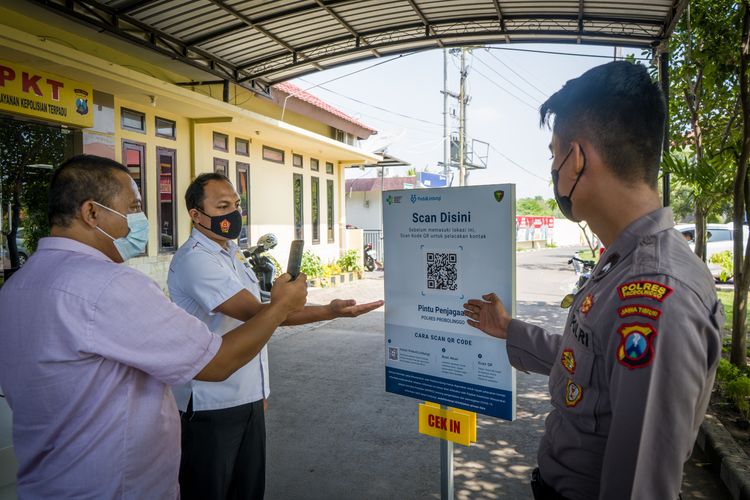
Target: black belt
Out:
[543,491]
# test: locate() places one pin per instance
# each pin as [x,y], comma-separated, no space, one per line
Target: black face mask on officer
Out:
[227,226]
[565,202]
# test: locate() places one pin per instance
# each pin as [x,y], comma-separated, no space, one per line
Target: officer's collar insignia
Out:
[573,393]
[609,264]
[588,302]
[649,289]
[568,361]
[636,348]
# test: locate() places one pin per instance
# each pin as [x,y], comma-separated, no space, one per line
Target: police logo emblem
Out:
[588,302]
[225,225]
[568,360]
[636,348]
[573,393]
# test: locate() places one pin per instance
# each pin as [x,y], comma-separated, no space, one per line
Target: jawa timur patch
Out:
[639,310]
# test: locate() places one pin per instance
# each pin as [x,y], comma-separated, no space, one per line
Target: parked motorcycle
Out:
[583,269]
[370,257]
[262,265]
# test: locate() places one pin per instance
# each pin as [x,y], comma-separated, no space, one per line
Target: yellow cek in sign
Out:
[459,426]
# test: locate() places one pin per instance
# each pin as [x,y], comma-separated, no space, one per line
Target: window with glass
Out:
[167,199]
[221,166]
[299,221]
[315,213]
[221,142]
[165,128]
[273,154]
[242,147]
[329,207]
[134,158]
[132,120]
[329,167]
[297,160]
[314,165]
[243,189]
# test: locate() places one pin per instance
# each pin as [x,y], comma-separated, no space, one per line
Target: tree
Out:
[704,100]
[741,207]
[537,206]
[707,182]
[27,151]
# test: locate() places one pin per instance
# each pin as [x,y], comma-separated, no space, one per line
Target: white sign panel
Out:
[443,247]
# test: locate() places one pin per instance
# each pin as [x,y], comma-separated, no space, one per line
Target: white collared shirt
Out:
[202,276]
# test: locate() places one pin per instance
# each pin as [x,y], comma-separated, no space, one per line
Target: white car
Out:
[720,238]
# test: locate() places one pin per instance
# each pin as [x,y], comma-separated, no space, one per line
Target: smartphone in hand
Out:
[295,258]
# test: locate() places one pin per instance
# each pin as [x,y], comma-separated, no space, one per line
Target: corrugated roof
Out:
[297,93]
[258,43]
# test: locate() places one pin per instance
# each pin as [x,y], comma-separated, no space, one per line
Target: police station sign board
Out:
[444,246]
[26,91]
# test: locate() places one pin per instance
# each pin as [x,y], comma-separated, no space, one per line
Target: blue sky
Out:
[411,86]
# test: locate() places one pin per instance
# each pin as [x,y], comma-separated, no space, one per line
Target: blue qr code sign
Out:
[442,271]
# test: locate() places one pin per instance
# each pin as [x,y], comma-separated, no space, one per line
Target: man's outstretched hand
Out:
[350,309]
[488,315]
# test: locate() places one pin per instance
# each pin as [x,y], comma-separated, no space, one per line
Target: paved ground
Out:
[333,432]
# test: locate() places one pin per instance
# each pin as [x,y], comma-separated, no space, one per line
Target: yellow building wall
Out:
[246,99]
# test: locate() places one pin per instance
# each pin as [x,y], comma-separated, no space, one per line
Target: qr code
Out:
[442,271]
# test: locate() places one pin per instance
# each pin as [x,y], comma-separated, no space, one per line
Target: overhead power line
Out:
[545,94]
[517,164]
[390,111]
[506,79]
[514,96]
[573,54]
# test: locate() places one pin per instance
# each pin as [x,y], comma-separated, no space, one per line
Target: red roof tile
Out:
[298,93]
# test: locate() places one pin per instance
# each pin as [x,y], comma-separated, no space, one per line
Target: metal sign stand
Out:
[446,467]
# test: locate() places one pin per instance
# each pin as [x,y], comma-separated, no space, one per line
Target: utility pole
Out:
[462,122]
[446,134]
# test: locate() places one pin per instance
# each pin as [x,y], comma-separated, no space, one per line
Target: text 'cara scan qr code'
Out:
[442,271]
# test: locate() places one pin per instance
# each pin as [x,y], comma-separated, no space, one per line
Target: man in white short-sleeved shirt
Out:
[89,347]
[223,424]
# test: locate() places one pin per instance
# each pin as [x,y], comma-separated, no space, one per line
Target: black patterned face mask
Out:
[564,202]
[227,226]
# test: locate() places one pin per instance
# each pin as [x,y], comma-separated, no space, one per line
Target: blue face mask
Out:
[133,243]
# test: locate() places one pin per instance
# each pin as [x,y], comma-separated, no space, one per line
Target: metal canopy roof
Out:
[260,42]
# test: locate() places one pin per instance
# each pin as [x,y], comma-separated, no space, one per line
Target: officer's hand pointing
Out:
[488,315]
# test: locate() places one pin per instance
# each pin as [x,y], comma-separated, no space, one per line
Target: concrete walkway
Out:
[334,433]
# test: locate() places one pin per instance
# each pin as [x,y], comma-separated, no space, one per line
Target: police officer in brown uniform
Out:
[631,376]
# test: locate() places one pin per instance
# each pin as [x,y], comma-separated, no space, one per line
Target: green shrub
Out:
[739,391]
[726,372]
[311,265]
[726,261]
[351,261]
